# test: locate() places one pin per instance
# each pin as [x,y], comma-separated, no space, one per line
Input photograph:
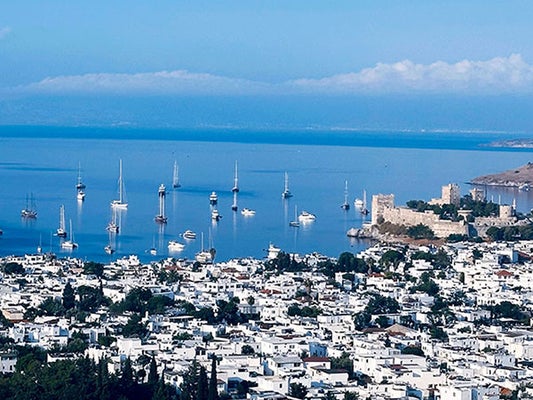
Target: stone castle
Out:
[384,210]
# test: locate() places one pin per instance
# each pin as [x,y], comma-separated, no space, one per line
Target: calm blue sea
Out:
[43,161]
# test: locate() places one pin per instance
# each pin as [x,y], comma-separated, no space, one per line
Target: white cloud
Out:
[163,82]
[4,31]
[496,76]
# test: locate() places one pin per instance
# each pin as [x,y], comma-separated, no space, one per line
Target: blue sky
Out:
[262,48]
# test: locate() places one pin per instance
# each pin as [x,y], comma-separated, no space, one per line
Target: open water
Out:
[44,161]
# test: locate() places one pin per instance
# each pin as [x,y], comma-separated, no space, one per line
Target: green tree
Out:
[153,377]
[202,392]
[298,390]
[93,268]
[69,300]
[247,349]
[134,327]
[213,385]
[189,384]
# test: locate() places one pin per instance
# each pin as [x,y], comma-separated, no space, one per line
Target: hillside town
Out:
[396,321]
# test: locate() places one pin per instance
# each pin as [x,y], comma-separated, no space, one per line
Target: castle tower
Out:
[477,194]
[451,194]
[379,203]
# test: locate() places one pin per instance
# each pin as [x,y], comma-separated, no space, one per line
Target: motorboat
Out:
[215,216]
[174,245]
[108,249]
[306,217]
[81,195]
[213,198]
[247,212]
[273,251]
[189,235]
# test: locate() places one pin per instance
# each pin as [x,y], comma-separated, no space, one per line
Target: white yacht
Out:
[247,212]
[204,256]
[79,184]
[174,246]
[273,251]
[189,235]
[215,216]
[295,223]
[121,201]
[306,217]
[81,195]
[213,198]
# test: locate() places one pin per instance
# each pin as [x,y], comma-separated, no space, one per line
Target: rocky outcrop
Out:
[521,177]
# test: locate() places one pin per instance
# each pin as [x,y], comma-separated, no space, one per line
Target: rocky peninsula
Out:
[521,177]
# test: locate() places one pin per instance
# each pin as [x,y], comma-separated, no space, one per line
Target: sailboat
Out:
[161,218]
[113,226]
[61,232]
[345,206]
[364,210]
[204,256]
[235,189]
[295,223]
[79,185]
[69,244]
[29,212]
[286,192]
[121,202]
[175,176]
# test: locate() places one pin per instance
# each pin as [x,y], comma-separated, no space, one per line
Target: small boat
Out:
[286,192]
[204,256]
[247,212]
[189,235]
[161,218]
[215,216]
[273,251]
[306,217]
[213,198]
[175,176]
[174,245]
[29,212]
[153,251]
[79,184]
[345,206]
[524,187]
[235,188]
[120,202]
[69,244]
[108,249]
[81,195]
[295,223]
[361,204]
[113,227]
[61,231]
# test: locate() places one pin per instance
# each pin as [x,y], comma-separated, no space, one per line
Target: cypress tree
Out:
[153,378]
[69,300]
[189,385]
[213,387]
[203,385]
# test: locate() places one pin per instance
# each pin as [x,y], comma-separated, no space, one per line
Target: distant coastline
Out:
[513,143]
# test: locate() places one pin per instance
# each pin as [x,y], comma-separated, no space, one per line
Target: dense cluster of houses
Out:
[397,355]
